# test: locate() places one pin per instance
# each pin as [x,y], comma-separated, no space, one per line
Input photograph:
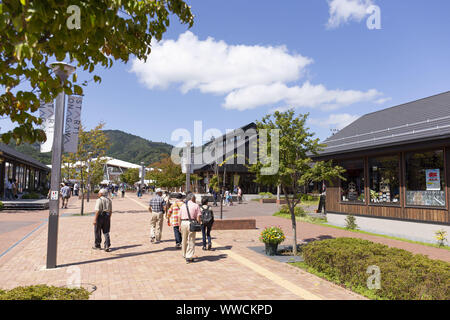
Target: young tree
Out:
[88,33]
[89,159]
[130,177]
[167,174]
[295,167]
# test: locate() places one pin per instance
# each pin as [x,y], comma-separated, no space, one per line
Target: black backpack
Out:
[207,215]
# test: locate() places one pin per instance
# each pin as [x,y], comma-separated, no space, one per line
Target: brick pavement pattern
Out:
[137,269]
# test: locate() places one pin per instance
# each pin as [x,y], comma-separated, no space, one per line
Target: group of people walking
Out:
[180,213]
[227,196]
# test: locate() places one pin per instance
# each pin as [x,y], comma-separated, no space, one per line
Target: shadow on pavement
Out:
[211,258]
[117,256]
[321,237]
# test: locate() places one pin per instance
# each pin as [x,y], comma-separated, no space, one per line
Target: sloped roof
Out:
[424,119]
[8,151]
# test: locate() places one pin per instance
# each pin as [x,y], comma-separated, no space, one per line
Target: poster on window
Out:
[433,179]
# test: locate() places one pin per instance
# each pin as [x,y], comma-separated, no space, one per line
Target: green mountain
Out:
[131,148]
[123,146]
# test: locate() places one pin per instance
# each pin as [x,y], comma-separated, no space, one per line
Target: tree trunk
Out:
[82,192]
[293,221]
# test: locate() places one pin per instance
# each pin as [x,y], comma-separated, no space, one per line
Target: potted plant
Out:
[272,237]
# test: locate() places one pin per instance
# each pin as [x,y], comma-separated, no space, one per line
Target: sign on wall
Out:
[433,179]
[47,114]
[73,119]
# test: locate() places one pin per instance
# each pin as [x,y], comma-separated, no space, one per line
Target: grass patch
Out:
[323,222]
[403,275]
[44,292]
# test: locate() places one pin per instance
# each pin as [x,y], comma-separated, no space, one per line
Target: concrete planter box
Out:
[234,224]
[281,201]
[267,200]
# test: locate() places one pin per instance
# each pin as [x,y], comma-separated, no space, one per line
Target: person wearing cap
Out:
[157,208]
[102,220]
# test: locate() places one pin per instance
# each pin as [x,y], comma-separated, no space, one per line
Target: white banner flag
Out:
[73,119]
[47,114]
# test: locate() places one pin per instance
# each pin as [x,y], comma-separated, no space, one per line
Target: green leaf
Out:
[23,2]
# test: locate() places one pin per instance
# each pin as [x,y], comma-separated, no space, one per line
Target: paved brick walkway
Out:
[137,269]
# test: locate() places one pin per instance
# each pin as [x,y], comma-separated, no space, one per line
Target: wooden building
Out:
[397,163]
[235,156]
[29,174]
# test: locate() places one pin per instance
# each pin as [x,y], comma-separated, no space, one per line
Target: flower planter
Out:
[271,249]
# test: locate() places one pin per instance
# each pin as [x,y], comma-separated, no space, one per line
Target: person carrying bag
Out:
[190,215]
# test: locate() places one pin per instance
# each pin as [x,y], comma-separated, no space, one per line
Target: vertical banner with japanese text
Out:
[73,118]
[47,114]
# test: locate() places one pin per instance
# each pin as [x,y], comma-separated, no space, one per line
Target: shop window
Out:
[425,179]
[352,188]
[384,176]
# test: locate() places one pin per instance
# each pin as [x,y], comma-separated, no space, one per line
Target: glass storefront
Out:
[384,177]
[425,179]
[352,188]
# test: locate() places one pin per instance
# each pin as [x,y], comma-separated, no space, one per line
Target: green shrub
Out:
[266,195]
[350,223]
[31,195]
[1,205]
[298,211]
[404,276]
[44,292]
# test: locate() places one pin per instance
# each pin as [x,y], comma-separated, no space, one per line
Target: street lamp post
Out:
[62,71]
[188,166]
[142,177]
[89,177]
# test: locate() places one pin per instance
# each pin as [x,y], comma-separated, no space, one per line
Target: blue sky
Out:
[276,54]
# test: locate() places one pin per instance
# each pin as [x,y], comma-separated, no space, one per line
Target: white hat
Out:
[158,190]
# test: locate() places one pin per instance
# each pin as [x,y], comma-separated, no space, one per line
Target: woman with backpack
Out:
[207,222]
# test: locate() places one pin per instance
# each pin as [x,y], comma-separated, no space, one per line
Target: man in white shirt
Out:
[102,220]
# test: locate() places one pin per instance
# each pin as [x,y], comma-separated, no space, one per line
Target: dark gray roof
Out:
[424,119]
[8,151]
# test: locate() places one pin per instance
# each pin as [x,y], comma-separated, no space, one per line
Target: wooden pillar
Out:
[402,188]
[447,181]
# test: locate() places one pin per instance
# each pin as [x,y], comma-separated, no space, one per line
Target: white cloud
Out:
[247,76]
[335,121]
[342,11]
[308,95]
[216,67]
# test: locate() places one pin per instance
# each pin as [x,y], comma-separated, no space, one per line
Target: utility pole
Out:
[62,71]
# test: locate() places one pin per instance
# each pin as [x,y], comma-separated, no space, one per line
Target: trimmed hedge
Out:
[44,292]
[404,276]
[298,211]
[31,195]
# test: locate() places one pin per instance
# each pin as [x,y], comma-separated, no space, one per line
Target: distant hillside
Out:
[131,148]
[124,146]
[33,151]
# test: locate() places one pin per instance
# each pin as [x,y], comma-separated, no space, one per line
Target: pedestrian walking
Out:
[14,189]
[65,195]
[76,188]
[122,190]
[102,220]
[215,196]
[157,208]
[207,223]
[239,194]
[173,220]
[189,211]
[9,190]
